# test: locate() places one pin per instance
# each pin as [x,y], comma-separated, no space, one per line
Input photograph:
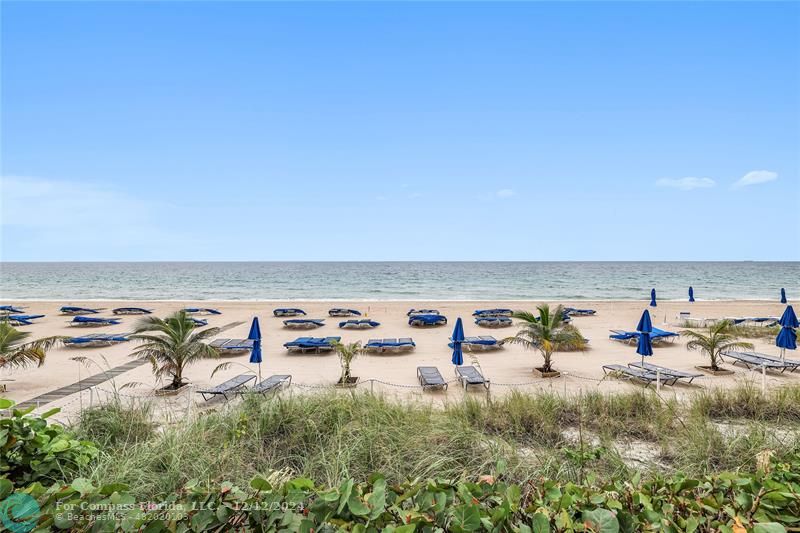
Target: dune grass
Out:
[329,437]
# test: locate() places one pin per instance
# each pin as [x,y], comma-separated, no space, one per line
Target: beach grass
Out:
[329,437]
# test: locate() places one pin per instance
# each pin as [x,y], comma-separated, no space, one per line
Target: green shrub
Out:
[31,450]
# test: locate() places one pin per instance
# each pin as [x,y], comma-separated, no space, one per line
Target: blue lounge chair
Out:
[202,311]
[303,323]
[312,344]
[487,313]
[131,311]
[288,311]
[364,323]
[421,321]
[493,321]
[72,310]
[422,312]
[96,340]
[21,320]
[482,342]
[7,309]
[390,345]
[338,311]
[198,321]
[233,346]
[571,311]
[630,337]
[90,321]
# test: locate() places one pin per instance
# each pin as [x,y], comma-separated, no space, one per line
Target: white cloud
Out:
[686,184]
[88,219]
[755,177]
[505,193]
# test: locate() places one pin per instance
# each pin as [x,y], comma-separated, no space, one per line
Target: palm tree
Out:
[171,344]
[720,339]
[346,352]
[16,353]
[547,333]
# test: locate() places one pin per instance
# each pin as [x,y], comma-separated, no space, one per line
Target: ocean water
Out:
[396,280]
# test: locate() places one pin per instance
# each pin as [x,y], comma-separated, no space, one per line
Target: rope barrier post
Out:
[372,386]
[763,378]
[658,380]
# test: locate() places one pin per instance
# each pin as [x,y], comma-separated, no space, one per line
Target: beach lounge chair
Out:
[364,323]
[790,364]
[311,344]
[571,311]
[632,373]
[427,320]
[202,311]
[430,378]
[303,323]
[390,345]
[469,375]
[90,321]
[752,360]
[131,311]
[493,322]
[288,311]
[422,312]
[492,312]
[271,384]
[665,372]
[21,320]
[631,337]
[483,342]
[8,309]
[339,311]
[198,322]
[96,340]
[228,387]
[71,310]
[232,346]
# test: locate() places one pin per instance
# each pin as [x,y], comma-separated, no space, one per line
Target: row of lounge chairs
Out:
[311,323]
[429,377]
[752,360]
[238,385]
[649,373]
[697,322]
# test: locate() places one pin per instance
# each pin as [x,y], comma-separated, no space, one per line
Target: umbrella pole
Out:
[259,372]
[783,355]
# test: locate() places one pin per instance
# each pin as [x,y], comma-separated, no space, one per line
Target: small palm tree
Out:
[16,353]
[347,353]
[547,333]
[720,338]
[172,344]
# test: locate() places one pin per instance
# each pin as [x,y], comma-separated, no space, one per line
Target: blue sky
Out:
[409,131]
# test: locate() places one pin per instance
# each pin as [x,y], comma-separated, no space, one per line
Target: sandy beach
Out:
[508,368]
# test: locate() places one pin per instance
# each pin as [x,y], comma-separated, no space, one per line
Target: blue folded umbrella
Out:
[691,294]
[783,296]
[458,338]
[23,320]
[653,298]
[787,337]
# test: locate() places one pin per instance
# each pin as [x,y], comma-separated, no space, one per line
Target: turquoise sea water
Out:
[396,280]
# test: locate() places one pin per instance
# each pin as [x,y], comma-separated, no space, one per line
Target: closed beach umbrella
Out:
[652,298]
[645,327]
[458,338]
[691,294]
[783,296]
[787,338]
[255,353]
